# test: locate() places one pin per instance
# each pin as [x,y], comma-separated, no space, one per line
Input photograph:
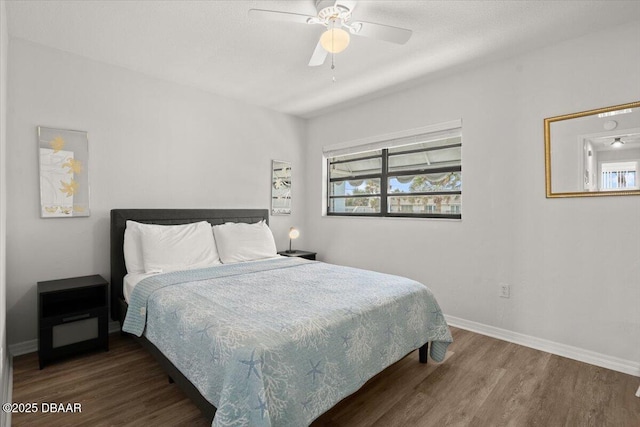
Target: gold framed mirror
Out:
[593,153]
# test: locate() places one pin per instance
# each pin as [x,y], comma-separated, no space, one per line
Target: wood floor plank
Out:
[462,379]
[508,402]
[483,382]
[363,408]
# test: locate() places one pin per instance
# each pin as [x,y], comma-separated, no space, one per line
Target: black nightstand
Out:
[300,254]
[72,317]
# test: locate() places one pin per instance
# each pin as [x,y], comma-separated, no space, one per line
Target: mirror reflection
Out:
[594,153]
[280,188]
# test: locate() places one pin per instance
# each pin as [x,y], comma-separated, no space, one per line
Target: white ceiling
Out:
[215,46]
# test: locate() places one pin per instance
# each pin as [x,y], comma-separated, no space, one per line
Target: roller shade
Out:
[437,132]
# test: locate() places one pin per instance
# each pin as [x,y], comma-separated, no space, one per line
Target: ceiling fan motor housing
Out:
[329,10]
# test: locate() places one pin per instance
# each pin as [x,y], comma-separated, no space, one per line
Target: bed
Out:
[270,342]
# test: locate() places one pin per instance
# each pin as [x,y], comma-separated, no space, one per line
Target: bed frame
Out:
[119,219]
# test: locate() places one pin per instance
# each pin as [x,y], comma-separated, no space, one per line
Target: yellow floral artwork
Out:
[75,166]
[64,173]
[57,144]
[69,188]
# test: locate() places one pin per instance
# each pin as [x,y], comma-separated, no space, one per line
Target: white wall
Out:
[568,286]
[620,155]
[152,144]
[5,383]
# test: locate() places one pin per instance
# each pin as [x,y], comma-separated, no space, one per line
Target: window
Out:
[419,175]
[619,176]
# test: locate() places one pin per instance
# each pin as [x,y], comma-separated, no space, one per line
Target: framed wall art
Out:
[63,159]
[280,187]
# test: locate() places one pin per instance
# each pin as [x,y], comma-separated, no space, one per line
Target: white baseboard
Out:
[7,392]
[31,346]
[24,347]
[575,353]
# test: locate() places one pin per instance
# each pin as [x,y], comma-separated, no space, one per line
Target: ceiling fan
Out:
[335,16]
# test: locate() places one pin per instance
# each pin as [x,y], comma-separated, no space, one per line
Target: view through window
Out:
[619,176]
[420,176]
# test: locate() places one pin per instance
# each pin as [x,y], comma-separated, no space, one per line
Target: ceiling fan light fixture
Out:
[335,40]
[617,143]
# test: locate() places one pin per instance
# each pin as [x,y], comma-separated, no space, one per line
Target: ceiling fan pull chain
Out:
[333,56]
[333,67]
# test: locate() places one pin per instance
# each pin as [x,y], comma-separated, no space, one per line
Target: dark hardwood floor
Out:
[483,382]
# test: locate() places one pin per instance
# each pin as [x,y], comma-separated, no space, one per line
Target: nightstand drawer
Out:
[47,322]
[74,332]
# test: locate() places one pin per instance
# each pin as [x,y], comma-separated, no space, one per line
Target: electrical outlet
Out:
[504,290]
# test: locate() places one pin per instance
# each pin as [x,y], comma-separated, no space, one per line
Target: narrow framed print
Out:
[63,157]
[280,187]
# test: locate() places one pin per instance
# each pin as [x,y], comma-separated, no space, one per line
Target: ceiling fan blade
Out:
[318,57]
[381,32]
[274,15]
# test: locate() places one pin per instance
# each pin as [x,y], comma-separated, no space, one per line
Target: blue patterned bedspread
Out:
[279,342]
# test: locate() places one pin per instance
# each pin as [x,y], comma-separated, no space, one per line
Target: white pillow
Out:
[244,242]
[177,247]
[132,248]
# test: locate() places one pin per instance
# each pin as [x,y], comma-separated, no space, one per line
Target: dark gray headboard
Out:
[119,219]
